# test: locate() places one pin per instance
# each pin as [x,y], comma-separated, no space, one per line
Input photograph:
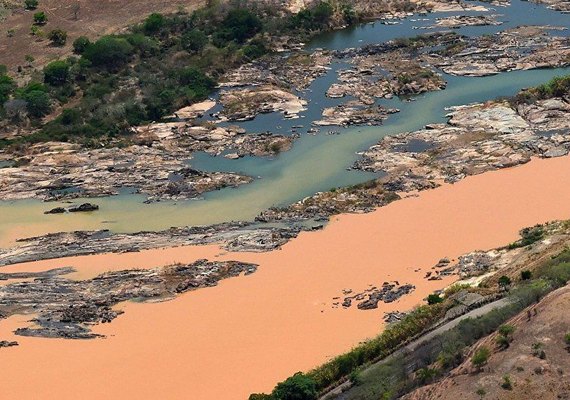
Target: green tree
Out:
[240,24]
[56,73]
[506,330]
[7,86]
[296,387]
[504,282]
[109,51]
[199,84]
[58,37]
[40,18]
[194,41]
[38,103]
[322,13]
[153,23]
[434,299]
[31,4]
[80,44]
[480,357]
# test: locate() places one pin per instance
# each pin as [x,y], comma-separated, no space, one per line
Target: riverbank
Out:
[199,343]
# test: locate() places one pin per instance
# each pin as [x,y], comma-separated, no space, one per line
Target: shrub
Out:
[36,31]
[40,18]
[480,357]
[296,387]
[31,4]
[528,237]
[70,116]
[526,275]
[255,49]
[425,375]
[503,342]
[567,338]
[507,384]
[110,52]
[58,37]
[80,44]
[56,73]
[194,41]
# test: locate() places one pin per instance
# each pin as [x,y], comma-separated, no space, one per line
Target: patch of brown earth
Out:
[537,361]
[94,19]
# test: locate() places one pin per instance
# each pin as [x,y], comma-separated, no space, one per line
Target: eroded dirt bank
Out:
[249,332]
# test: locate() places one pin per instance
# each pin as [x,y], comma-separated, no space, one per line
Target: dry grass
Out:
[95,18]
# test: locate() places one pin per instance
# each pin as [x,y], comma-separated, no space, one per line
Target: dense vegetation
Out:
[391,380]
[162,64]
[556,87]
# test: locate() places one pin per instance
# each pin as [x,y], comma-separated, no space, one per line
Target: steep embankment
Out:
[536,364]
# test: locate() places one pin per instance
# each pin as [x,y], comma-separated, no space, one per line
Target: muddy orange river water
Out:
[250,332]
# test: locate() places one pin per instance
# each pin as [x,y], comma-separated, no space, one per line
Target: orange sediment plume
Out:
[247,333]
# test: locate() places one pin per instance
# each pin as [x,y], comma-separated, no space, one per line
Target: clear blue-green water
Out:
[315,163]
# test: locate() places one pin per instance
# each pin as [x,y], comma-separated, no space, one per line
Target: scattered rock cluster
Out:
[66,308]
[85,207]
[369,299]
[246,104]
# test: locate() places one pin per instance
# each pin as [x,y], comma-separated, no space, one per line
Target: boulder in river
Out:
[85,207]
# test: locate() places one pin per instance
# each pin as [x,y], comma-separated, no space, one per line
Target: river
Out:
[315,163]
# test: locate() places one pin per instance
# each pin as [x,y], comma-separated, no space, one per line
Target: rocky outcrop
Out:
[293,71]
[558,5]
[354,114]
[458,21]
[68,308]
[246,104]
[382,71]
[520,48]
[64,171]
[477,138]
[235,236]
